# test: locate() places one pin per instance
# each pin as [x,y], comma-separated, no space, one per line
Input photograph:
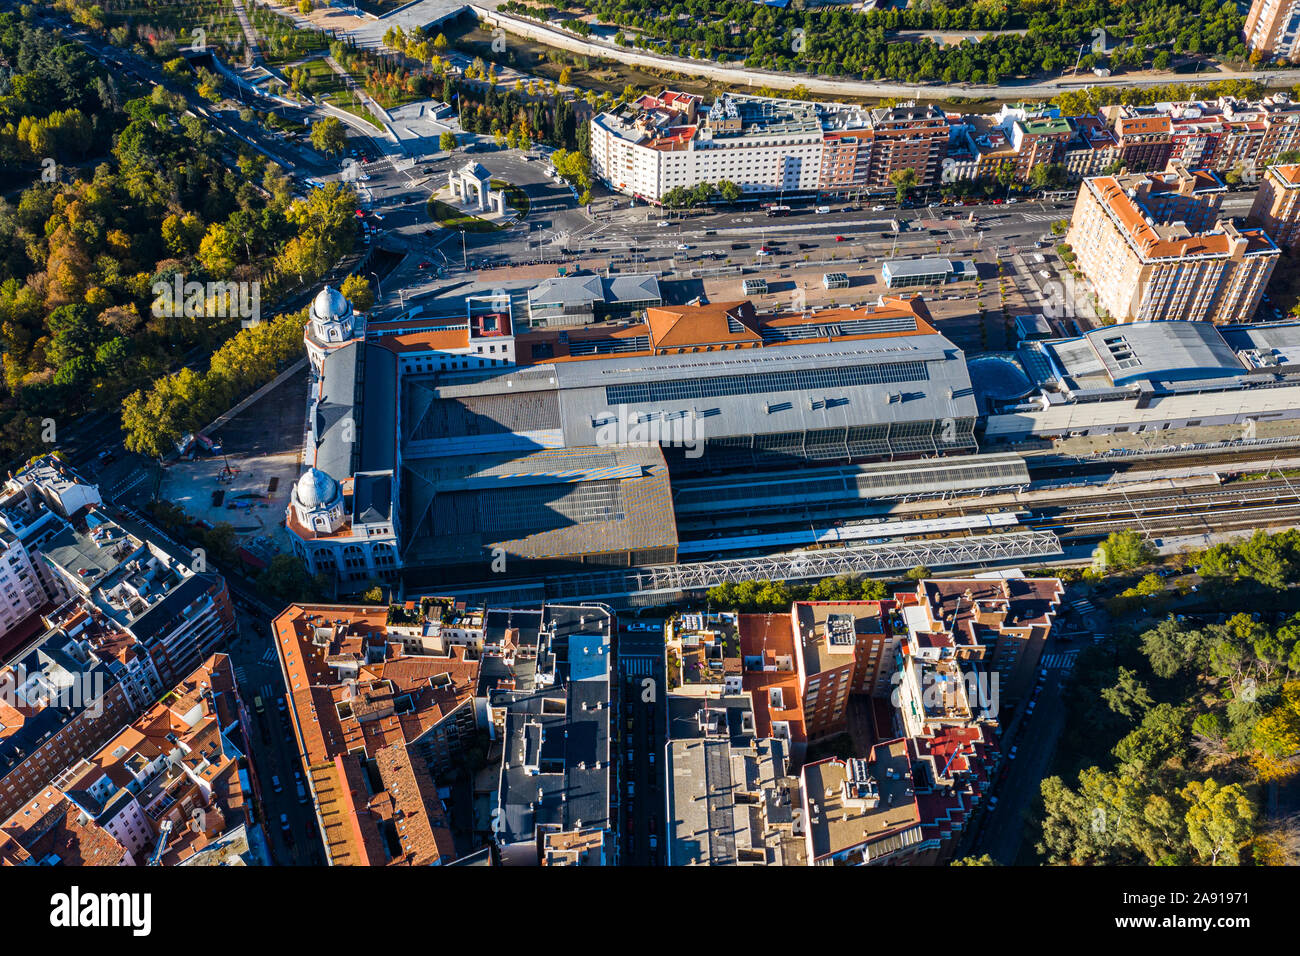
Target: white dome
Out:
[330,303]
[315,488]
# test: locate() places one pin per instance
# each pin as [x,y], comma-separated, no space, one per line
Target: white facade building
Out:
[761,145]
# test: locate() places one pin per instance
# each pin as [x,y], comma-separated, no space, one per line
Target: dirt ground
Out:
[264,446]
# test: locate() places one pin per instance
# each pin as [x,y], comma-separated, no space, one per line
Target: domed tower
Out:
[317,502]
[332,325]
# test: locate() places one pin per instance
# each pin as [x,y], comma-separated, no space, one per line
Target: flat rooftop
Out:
[839,820]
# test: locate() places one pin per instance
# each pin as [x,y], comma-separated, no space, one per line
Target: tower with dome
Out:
[331,325]
[341,515]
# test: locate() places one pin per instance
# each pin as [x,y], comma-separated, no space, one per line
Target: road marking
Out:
[123,487]
[1063,661]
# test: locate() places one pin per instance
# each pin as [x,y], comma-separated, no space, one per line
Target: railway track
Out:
[1154,512]
[1142,503]
[1185,522]
[1236,458]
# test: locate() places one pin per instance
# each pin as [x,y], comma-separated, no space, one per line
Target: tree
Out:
[1264,558]
[1277,733]
[181,234]
[982,860]
[1220,819]
[1128,697]
[328,136]
[918,573]
[902,180]
[74,333]
[1171,647]
[1123,550]
[1074,829]
[729,190]
[358,292]
[873,589]
[1043,175]
[217,251]
[287,579]
[447,141]
[1218,567]
[1161,735]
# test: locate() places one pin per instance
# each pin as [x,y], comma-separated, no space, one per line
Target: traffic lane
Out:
[821,231]
[281,756]
[646,792]
[274,750]
[643,743]
[640,215]
[1006,824]
[147,71]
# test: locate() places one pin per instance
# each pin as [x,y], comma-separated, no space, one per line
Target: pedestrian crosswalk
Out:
[241,676]
[1098,638]
[1083,606]
[1062,661]
[638,665]
[269,656]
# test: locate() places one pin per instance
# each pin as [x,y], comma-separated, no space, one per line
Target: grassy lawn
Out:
[449,217]
[215,17]
[516,198]
[390,101]
[281,40]
[328,86]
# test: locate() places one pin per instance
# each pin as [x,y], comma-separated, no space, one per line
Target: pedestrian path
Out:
[1063,661]
[638,665]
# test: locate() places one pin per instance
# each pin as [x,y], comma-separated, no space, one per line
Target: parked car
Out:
[275,784]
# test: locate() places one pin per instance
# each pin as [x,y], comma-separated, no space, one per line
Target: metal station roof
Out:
[698,496]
